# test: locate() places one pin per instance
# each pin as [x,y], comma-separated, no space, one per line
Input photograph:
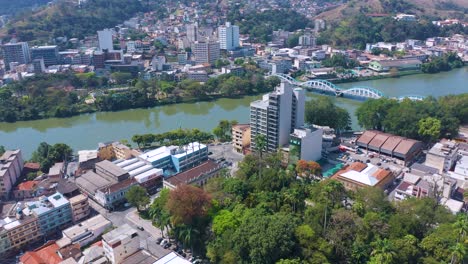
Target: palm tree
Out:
[458,253]
[383,251]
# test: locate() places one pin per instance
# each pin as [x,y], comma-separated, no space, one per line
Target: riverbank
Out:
[87,130]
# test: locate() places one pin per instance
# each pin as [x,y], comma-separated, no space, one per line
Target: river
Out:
[85,131]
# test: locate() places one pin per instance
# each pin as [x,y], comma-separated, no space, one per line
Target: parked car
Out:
[158,240]
[167,245]
[164,242]
[140,228]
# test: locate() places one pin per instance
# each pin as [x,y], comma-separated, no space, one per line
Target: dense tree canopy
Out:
[265,214]
[427,120]
[137,197]
[324,112]
[47,155]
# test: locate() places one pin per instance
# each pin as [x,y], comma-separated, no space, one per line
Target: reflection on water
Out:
[85,131]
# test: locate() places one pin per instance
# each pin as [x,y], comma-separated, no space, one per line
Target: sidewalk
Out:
[146,224]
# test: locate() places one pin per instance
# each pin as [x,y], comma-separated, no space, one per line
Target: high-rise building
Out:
[105,40]
[206,52]
[228,36]
[11,165]
[192,32]
[50,54]
[16,52]
[276,115]
[307,40]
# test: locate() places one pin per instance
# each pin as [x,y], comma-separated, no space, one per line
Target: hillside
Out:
[429,8]
[69,20]
[9,7]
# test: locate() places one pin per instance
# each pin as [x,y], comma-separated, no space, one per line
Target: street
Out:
[129,216]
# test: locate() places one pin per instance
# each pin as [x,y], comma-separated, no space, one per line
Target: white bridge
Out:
[326,87]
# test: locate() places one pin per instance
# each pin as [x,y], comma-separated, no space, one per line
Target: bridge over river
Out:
[326,87]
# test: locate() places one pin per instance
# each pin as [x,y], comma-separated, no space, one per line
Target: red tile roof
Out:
[27,185]
[47,254]
[32,166]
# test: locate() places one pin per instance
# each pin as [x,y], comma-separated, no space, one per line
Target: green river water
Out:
[85,131]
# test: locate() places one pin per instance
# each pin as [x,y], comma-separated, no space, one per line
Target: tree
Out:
[138,197]
[429,128]
[187,203]
[383,252]
[323,112]
[121,77]
[158,212]
[2,150]
[260,144]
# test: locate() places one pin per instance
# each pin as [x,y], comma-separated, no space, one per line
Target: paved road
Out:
[226,151]
[129,216]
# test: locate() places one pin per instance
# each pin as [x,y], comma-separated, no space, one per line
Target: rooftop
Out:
[111,168]
[45,204]
[187,176]
[172,258]
[91,224]
[443,148]
[27,185]
[242,127]
[85,155]
[140,257]
[45,254]
[91,182]
[157,154]
[118,234]
[118,186]
[366,174]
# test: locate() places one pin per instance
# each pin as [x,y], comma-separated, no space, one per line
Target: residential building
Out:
[405,17]
[198,175]
[206,52]
[398,65]
[85,232]
[105,40]
[228,36]
[87,159]
[142,257]
[11,165]
[241,138]
[359,175]
[276,115]
[38,66]
[53,212]
[307,40]
[16,52]
[398,147]
[50,54]
[120,243]
[305,144]
[419,185]
[199,76]
[80,207]
[443,156]
[192,32]
[25,190]
[44,254]
[56,171]
[17,229]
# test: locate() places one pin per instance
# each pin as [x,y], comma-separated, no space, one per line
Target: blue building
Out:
[53,212]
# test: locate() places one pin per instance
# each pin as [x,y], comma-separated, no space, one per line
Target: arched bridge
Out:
[326,87]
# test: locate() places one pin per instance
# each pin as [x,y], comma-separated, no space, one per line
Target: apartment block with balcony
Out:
[80,207]
[241,138]
[53,212]
[11,165]
[276,115]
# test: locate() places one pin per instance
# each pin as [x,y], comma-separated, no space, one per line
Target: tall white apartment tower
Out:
[276,115]
[105,39]
[228,36]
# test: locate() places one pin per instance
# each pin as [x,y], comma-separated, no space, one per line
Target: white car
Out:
[163,242]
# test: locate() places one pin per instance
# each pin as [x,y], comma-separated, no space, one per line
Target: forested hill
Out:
[68,19]
[436,9]
[11,7]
